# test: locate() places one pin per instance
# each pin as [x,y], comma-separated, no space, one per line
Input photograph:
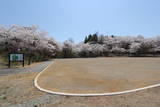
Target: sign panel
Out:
[16,57]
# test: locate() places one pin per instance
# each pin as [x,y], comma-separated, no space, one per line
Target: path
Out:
[36,68]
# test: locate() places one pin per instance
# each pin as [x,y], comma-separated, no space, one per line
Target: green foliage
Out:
[86,39]
[92,38]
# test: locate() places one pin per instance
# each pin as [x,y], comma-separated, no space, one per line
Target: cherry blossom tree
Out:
[37,44]
[68,48]
[29,40]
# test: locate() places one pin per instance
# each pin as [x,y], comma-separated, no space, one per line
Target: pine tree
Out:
[95,38]
[86,39]
[112,36]
[90,38]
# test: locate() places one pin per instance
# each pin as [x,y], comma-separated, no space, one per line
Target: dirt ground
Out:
[100,75]
[17,90]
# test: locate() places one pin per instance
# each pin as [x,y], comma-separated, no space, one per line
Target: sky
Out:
[75,19]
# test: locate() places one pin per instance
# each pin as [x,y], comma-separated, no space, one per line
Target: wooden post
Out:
[29,60]
[23,60]
[9,63]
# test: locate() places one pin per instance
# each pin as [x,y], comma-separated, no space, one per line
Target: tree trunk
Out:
[29,60]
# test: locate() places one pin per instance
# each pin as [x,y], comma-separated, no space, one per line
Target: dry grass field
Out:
[18,90]
[100,75]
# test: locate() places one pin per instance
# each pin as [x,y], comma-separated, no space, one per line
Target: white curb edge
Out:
[96,94]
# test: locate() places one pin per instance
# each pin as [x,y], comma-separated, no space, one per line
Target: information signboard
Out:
[16,57]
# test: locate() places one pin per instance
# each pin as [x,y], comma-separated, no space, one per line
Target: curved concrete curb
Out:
[97,94]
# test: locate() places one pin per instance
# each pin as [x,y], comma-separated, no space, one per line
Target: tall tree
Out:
[86,39]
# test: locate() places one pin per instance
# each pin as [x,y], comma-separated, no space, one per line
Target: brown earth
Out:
[17,90]
[100,75]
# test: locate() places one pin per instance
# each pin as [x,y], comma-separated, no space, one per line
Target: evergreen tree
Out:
[112,36]
[90,38]
[86,39]
[95,38]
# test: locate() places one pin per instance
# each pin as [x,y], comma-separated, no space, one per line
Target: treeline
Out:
[34,43]
[37,45]
[95,45]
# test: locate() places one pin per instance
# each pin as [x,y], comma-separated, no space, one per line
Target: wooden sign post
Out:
[15,57]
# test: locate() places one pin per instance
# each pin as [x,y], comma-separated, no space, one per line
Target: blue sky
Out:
[75,19]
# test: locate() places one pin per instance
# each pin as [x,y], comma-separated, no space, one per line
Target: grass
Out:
[3,62]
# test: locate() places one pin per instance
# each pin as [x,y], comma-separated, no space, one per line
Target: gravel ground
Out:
[18,91]
[32,68]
